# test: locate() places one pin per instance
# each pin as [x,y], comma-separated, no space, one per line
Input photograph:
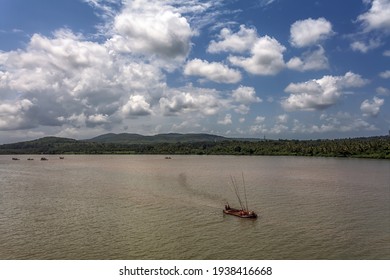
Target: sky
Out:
[277,69]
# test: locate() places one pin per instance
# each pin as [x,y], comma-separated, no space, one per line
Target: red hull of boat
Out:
[239,213]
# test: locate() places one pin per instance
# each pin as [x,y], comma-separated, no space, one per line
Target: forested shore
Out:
[370,147]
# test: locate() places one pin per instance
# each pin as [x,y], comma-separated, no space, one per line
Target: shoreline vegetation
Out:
[377,147]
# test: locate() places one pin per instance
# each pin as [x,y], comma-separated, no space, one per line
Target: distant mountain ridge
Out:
[132,138]
[202,144]
[104,143]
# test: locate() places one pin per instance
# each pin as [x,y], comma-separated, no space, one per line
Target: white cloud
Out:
[259,119]
[365,47]
[320,94]
[245,95]
[213,71]
[186,125]
[386,53]
[282,119]
[75,83]
[340,123]
[65,75]
[258,129]
[241,41]
[242,109]
[191,100]
[385,74]
[136,106]
[266,53]
[264,3]
[227,120]
[53,63]
[371,108]
[15,115]
[266,57]
[97,119]
[383,91]
[151,28]
[107,8]
[315,60]
[377,17]
[309,32]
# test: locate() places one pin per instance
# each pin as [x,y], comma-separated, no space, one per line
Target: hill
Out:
[130,138]
[203,144]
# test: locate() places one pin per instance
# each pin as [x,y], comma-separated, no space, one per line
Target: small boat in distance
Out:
[244,212]
[43,158]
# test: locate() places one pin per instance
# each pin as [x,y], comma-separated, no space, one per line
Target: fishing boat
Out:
[239,212]
[244,212]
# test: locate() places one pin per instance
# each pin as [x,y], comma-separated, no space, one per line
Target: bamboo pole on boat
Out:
[236,191]
[246,199]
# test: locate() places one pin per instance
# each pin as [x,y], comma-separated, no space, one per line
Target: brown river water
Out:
[148,207]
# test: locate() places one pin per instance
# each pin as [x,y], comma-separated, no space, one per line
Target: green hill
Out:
[203,144]
[130,138]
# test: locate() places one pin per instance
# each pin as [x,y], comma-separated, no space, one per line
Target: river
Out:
[148,207]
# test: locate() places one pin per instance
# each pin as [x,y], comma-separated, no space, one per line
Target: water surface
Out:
[149,207]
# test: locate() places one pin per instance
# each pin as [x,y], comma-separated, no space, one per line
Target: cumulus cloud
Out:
[312,60]
[371,108]
[364,47]
[241,41]
[383,91]
[68,81]
[191,100]
[309,32]
[213,71]
[320,94]
[266,57]
[340,122]
[151,28]
[282,119]
[377,17]
[245,95]
[265,53]
[385,74]
[259,119]
[227,120]
[136,106]
[66,75]
[15,115]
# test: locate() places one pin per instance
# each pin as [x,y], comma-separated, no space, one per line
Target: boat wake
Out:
[197,195]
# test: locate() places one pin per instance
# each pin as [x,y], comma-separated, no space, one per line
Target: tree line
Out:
[370,147]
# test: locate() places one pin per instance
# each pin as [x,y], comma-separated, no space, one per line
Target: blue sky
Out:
[274,68]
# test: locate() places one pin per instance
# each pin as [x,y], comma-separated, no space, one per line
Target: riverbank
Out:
[369,147]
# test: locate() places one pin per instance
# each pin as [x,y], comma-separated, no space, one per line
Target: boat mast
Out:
[237,192]
[246,199]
